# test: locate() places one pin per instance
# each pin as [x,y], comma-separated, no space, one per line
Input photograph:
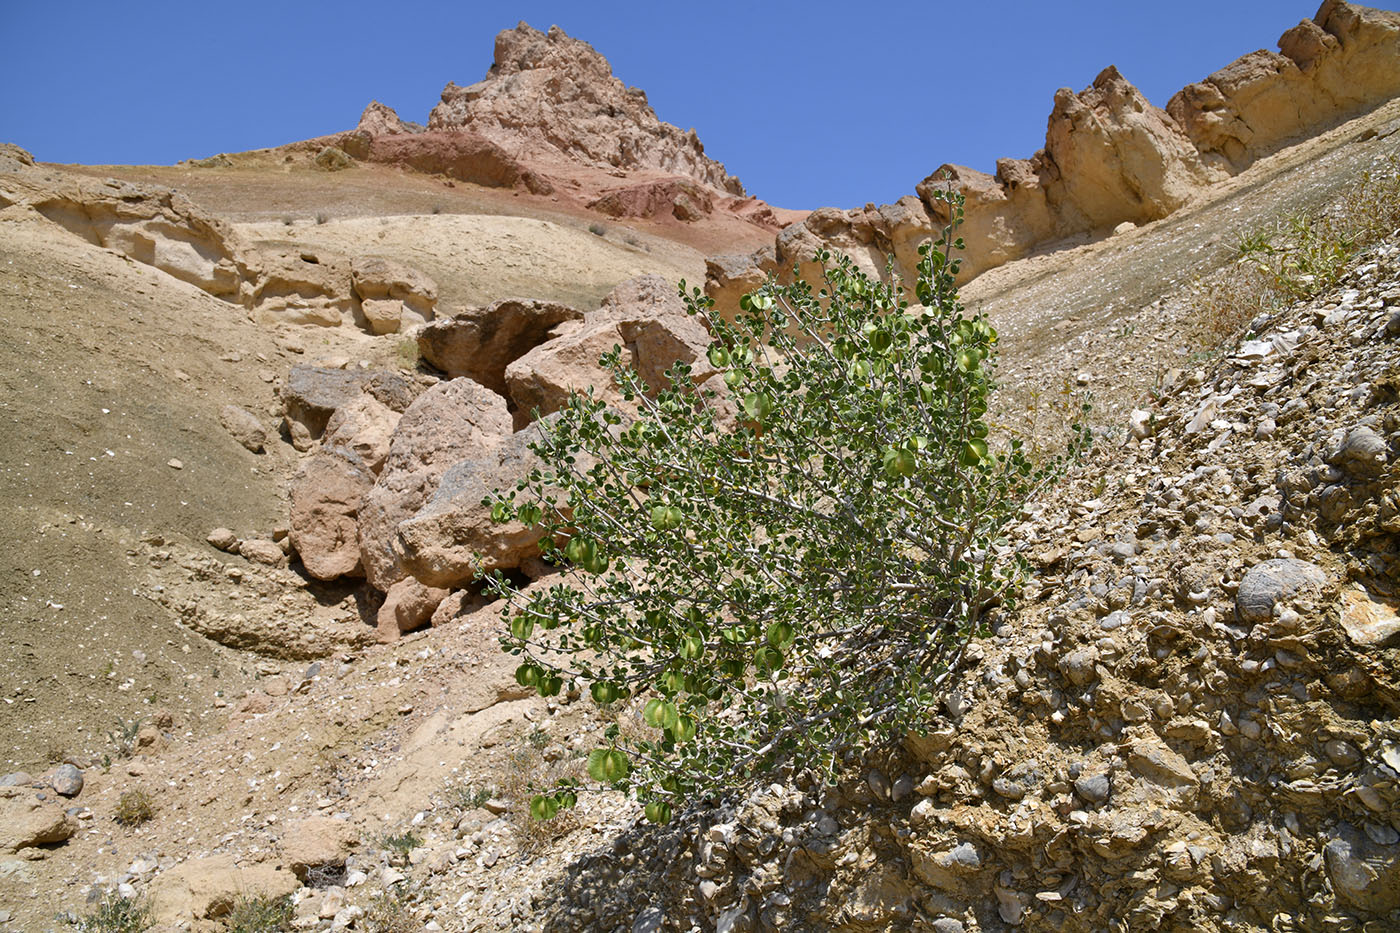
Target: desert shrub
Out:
[1299,257]
[115,913]
[402,843]
[782,563]
[390,911]
[466,796]
[597,229]
[134,807]
[260,913]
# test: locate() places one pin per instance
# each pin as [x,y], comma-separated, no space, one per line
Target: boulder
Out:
[244,426]
[313,393]
[408,605]
[452,421]
[1365,875]
[326,494]
[315,842]
[644,316]
[481,342]
[207,888]
[67,780]
[452,536]
[730,276]
[262,551]
[223,538]
[364,426]
[456,604]
[380,282]
[1271,582]
[26,820]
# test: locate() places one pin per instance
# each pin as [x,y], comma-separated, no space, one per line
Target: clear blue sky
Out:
[810,104]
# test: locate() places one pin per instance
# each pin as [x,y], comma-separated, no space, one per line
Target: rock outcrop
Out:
[162,228]
[481,342]
[1110,157]
[453,421]
[1341,62]
[549,117]
[556,96]
[643,316]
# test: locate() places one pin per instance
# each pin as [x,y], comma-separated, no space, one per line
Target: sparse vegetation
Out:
[1298,258]
[116,913]
[260,913]
[322,217]
[406,353]
[792,591]
[528,778]
[401,843]
[437,208]
[466,796]
[134,807]
[390,912]
[597,229]
[123,737]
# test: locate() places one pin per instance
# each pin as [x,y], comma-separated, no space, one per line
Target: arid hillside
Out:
[250,407]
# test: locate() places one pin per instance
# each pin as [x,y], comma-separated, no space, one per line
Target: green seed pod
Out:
[527,675]
[521,627]
[658,811]
[652,712]
[543,808]
[719,356]
[692,646]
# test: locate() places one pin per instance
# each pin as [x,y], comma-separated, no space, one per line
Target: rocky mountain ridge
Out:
[1111,159]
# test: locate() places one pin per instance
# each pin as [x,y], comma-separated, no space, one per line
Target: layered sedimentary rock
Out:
[1111,157]
[162,228]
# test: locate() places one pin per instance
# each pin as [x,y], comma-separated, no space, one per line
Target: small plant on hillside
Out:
[123,737]
[597,229]
[260,913]
[779,565]
[402,843]
[391,911]
[134,807]
[115,913]
[466,796]
[406,353]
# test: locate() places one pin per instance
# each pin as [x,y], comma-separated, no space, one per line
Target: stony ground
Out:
[1127,753]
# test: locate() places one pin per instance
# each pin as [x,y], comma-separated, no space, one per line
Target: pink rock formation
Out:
[549,94]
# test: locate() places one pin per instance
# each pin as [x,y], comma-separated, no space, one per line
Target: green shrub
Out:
[787,587]
[260,913]
[402,843]
[117,914]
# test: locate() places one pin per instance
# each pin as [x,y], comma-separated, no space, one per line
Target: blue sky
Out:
[810,104]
